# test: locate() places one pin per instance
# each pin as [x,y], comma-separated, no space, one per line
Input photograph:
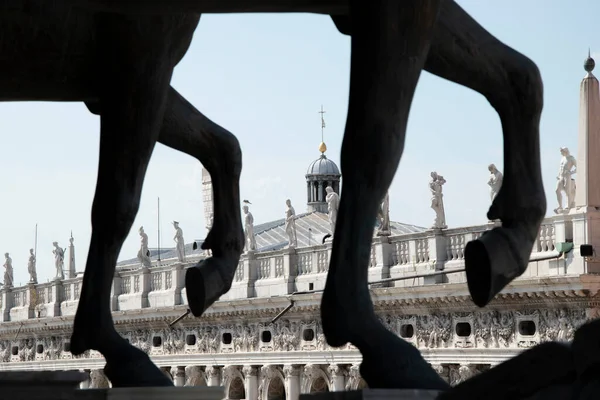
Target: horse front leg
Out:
[382,84]
[136,65]
[464,52]
[185,129]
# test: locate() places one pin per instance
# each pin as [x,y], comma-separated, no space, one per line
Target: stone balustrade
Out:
[286,271]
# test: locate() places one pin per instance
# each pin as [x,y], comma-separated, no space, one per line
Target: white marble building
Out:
[237,345]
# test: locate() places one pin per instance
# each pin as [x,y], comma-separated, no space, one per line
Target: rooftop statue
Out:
[31,267]
[565,181]
[495,181]
[249,228]
[436,186]
[392,42]
[9,279]
[179,242]
[59,261]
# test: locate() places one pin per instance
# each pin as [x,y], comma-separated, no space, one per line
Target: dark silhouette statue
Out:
[118,56]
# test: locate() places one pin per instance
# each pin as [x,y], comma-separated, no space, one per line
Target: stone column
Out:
[338,376]
[213,375]
[178,374]
[251,382]
[292,381]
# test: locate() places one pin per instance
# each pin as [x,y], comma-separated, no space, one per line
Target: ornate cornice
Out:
[569,292]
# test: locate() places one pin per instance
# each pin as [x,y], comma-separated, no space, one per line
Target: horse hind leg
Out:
[382,85]
[464,52]
[132,100]
[186,129]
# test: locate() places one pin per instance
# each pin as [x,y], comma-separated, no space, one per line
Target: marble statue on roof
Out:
[250,242]
[290,224]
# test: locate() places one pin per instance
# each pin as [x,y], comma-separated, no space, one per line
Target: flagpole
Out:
[158,215]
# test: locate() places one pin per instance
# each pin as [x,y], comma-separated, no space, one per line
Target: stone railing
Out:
[286,271]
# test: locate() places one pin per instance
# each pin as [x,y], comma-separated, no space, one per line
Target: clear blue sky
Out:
[264,77]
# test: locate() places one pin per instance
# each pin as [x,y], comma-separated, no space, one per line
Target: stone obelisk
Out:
[585,216]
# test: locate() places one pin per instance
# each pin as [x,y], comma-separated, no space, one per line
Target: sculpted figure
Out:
[144,253]
[333,203]
[31,267]
[565,182]
[290,224]
[384,216]
[59,260]
[249,229]
[8,271]
[495,181]
[179,242]
[437,200]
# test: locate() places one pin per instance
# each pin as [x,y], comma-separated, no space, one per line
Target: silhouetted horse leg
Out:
[135,66]
[186,129]
[382,84]
[464,52]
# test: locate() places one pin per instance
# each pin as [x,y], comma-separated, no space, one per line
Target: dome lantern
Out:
[321,173]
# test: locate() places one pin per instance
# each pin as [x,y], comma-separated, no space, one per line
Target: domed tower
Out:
[321,173]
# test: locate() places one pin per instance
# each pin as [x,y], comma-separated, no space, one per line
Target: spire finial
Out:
[322,146]
[589,63]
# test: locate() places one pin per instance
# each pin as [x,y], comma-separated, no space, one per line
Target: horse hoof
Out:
[133,368]
[207,281]
[493,261]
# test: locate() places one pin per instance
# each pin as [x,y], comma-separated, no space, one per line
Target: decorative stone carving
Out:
[249,229]
[290,370]
[565,181]
[353,377]
[495,181]
[8,271]
[433,330]
[52,347]
[290,224]
[437,200]
[560,325]
[335,371]
[144,253]
[27,350]
[179,242]
[212,372]
[31,267]
[246,338]
[383,216]
[174,341]
[4,351]
[141,339]
[59,261]
[312,372]
[333,204]
[249,370]
[194,376]
[461,374]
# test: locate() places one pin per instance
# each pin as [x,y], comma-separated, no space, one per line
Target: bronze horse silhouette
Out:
[118,57]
